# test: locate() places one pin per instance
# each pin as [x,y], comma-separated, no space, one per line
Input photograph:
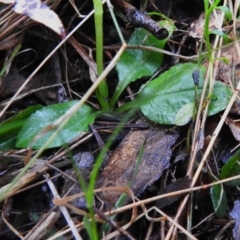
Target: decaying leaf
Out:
[137,162]
[197,27]
[178,185]
[234,214]
[7,1]
[229,71]
[39,12]
[234,127]
[229,67]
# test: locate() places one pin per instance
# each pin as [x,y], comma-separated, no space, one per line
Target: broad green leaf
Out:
[136,63]
[9,129]
[231,169]
[46,116]
[8,144]
[219,200]
[172,90]
[184,114]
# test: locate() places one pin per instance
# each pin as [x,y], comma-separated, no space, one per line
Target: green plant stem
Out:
[89,193]
[13,55]
[106,227]
[101,93]
[208,12]
[102,90]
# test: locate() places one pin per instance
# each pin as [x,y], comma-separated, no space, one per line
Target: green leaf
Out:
[88,227]
[231,169]
[172,90]
[9,129]
[20,219]
[219,200]
[136,63]
[221,34]
[227,11]
[34,217]
[46,116]
[184,114]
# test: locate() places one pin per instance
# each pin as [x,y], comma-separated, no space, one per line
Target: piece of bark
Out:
[140,160]
[141,19]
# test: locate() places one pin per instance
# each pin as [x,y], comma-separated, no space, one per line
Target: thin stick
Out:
[63,209]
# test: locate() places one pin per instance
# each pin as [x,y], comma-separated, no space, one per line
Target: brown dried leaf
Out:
[234,127]
[127,162]
[197,27]
[7,1]
[40,12]
[229,71]
[178,185]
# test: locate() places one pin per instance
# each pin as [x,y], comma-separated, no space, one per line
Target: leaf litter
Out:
[138,161]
